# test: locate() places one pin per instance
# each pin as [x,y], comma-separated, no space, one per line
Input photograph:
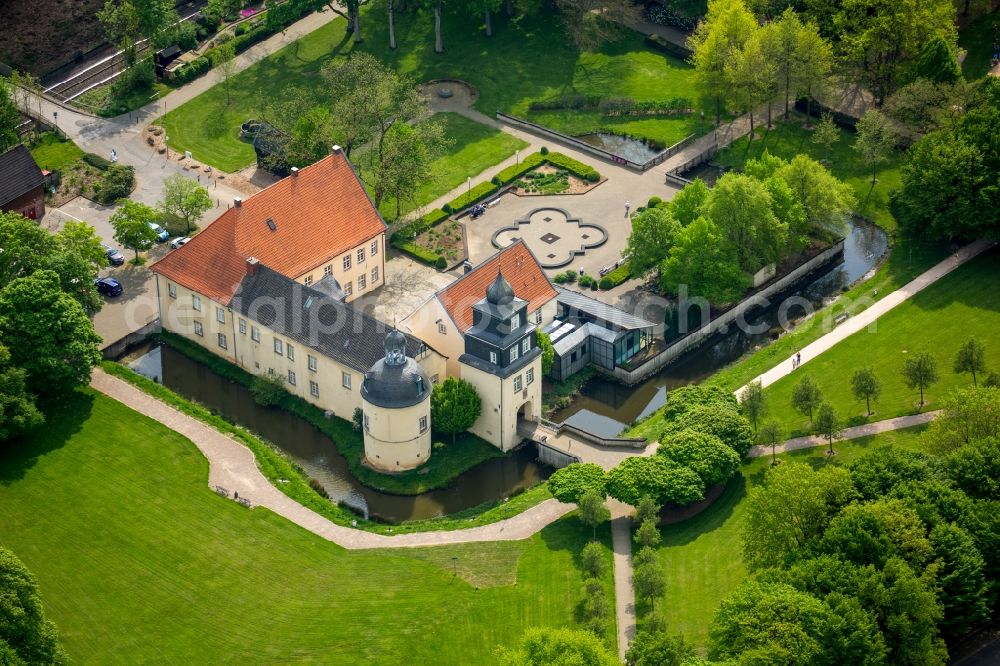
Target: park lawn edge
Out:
[275,466]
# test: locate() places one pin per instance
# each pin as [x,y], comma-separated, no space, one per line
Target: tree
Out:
[872,533]
[128,21]
[225,62]
[185,200]
[923,106]
[711,459]
[649,583]
[753,402]
[866,386]
[688,204]
[25,633]
[969,414]
[544,343]
[751,74]
[937,63]
[653,232]
[403,161]
[875,141]
[647,509]
[705,262]
[572,482]
[63,345]
[975,468]
[790,510]
[876,474]
[806,397]
[659,649]
[80,239]
[438,43]
[780,39]
[647,535]
[827,424]
[131,223]
[18,413]
[879,40]
[269,389]
[655,477]
[592,560]
[826,135]
[593,511]
[813,63]
[558,647]
[455,406]
[741,208]
[486,9]
[770,435]
[971,357]
[10,119]
[727,26]
[719,419]
[595,606]
[825,199]
[592,23]
[920,371]
[964,590]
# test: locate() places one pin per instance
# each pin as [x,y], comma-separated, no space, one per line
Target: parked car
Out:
[115,258]
[161,233]
[108,286]
[177,242]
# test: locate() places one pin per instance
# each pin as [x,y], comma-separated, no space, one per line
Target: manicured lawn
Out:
[937,320]
[474,148]
[138,561]
[977,39]
[528,58]
[54,153]
[701,556]
[788,139]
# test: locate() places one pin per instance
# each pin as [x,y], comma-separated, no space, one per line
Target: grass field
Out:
[701,556]
[474,148]
[138,561]
[937,320]
[977,39]
[54,153]
[528,58]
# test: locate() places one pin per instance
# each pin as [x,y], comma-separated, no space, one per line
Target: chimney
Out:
[252,263]
[336,150]
[238,202]
[295,172]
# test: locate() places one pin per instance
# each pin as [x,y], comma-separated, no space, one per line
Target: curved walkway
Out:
[868,317]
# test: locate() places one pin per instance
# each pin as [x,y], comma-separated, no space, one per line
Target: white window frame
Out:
[255,334]
[529,376]
[196,302]
[538,316]
[345,380]
[220,315]
[515,321]
[311,362]
[347,261]
[375,275]
[517,383]
[328,270]
[308,281]
[525,345]
[243,326]
[313,389]
[423,424]
[361,255]
[442,329]
[172,290]
[348,288]
[222,341]
[366,423]
[493,357]
[279,347]
[374,248]
[514,354]
[291,377]
[289,351]
[199,330]
[362,282]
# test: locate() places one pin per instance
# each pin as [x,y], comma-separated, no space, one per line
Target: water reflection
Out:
[635,150]
[606,407]
[317,455]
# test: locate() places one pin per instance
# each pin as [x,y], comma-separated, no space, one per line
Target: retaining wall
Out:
[115,349]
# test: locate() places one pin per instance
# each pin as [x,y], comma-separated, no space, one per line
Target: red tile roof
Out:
[317,215]
[519,267]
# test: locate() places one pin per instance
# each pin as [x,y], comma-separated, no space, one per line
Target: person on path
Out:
[798,359]
[114,155]
[627,207]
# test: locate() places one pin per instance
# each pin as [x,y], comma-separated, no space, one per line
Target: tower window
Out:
[493,357]
[517,383]
[423,424]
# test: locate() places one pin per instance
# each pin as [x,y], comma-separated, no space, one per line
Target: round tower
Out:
[396,403]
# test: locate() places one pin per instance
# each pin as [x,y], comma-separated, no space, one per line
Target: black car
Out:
[115,258]
[108,286]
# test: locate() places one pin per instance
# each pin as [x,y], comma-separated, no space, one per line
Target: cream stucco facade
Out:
[358,270]
[432,324]
[309,374]
[504,401]
[397,439]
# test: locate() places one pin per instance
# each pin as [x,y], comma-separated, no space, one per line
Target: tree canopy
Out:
[558,647]
[570,483]
[25,633]
[455,406]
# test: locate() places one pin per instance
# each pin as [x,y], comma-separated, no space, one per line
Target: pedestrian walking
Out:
[627,207]
[798,359]
[114,155]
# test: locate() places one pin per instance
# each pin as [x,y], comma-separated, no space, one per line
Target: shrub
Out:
[544,150]
[475,195]
[570,483]
[421,254]
[96,161]
[267,390]
[441,263]
[512,173]
[575,167]
[420,225]
[496,181]
[568,276]
[605,283]
[116,184]
[560,278]
[587,281]
[653,202]
[617,276]
[223,37]
[448,209]
[193,69]
[240,29]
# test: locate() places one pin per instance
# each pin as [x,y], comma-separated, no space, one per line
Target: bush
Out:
[587,281]
[512,173]
[653,202]
[193,69]
[267,390]
[617,276]
[420,225]
[496,181]
[575,167]
[223,37]
[116,184]
[441,263]
[187,36]
[421,254]
[96,161]
[240,29]
[570,483]
[448,209]
[560,278]
[544,150]
[475,195]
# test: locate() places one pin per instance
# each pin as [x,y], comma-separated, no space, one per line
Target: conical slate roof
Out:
[500,292]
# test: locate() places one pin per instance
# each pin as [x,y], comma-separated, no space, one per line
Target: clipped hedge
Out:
[96,161]
[421,254]
[420,225]
[512,173]
[575,167]
[475,195]
[616,277]
[193,70]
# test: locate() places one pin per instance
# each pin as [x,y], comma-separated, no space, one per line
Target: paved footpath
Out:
[621,543]
[868,317]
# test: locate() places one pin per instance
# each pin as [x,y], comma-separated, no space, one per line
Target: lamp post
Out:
[454,565]
[55,121]
[517,157]
[468,182]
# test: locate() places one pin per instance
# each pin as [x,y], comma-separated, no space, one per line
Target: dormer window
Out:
[420,385]
[515,321]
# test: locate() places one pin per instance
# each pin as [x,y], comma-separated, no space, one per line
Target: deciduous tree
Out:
[741,208]
[649,583]
[572,482]
[711,459]
[727,26]
[920,371]
[875,140]
[25,633]
[592,23]
[827,424]
[592,560]
[703,261]
[806,397]
[969,414]
[647,535]
[548,351]
[185,200]
[18,413]
[826,135]
[10,118]
[866,386]
[652,236]
[753,402]
[131,224]
[557,647]
[971,357]
[770,435]
[593,510]
[455,406]
[964,591]
[688,204]
[655,648]
[656,477]
[718,419]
